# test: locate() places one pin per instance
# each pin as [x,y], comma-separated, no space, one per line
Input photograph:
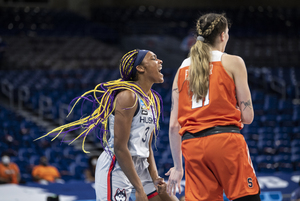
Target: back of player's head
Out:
[129,62]
[210,25]
[126,65]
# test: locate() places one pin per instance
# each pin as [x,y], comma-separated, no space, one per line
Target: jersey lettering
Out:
[146,120]
[197,104]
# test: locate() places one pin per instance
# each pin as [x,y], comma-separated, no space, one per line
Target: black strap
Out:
[212,131]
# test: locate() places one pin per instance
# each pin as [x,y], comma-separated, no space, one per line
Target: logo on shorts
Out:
[120,195]
[250,183]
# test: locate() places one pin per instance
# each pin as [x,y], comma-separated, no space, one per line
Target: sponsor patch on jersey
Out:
[144,112]
[143,106]
[120,195]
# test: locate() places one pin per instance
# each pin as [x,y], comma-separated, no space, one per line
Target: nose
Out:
[160,61]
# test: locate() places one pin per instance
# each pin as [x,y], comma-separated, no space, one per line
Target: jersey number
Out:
[197,104]
[146,132]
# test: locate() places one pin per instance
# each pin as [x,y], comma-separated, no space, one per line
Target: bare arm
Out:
[157,180]
[238,69]
[123,120]
[175,173]
[152,165]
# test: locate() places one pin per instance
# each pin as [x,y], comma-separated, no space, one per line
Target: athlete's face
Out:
[153,66]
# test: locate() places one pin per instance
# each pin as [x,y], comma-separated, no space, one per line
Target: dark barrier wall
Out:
[196,3]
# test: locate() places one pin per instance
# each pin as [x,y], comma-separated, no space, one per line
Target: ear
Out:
[223,36]
[140,68]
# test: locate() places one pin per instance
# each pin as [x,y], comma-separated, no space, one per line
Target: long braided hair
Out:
[103,98]
[208,26]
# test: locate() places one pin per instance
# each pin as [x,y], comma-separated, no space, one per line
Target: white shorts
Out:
[111,184]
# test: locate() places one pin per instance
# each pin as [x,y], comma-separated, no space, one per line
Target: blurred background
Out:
[52,51]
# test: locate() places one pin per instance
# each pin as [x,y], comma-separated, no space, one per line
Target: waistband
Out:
[212,131]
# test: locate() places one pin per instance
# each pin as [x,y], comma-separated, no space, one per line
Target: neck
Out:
[145,86]
[219,47]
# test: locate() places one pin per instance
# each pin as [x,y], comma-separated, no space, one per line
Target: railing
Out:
[8,89]
[23,96]
[45,105]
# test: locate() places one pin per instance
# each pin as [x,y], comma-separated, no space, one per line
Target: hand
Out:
[161,188]
[140,196]
[175,177]
[160,185]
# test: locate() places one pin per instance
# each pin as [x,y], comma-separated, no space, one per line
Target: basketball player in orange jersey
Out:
[211,101]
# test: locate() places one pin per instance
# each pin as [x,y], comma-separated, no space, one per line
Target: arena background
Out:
[54,50]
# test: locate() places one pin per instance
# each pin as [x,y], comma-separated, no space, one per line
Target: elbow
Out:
[118,150]
[247,119]
[174,129]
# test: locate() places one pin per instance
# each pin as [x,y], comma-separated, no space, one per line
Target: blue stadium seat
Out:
[283,163]
[295,143]
[295,150]
[295,158]
[77,171]
[265,163]
[265,135]
[282,146]
[266,147]
[252,146]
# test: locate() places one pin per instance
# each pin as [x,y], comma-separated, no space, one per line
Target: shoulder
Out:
[233,63]
[126,98]
[37,167]
[52,167]
[232,59]
[13,164]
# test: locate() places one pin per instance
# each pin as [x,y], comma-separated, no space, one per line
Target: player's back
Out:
[218,108]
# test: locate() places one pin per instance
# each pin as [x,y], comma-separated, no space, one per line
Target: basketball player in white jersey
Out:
[128,162]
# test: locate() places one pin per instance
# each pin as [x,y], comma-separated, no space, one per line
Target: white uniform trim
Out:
[215,56]
[186,62]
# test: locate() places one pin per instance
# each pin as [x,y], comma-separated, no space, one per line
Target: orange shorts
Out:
[217,162]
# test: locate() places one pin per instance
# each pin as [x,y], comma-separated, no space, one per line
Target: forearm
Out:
[125,161]
[152,166]
[175,145]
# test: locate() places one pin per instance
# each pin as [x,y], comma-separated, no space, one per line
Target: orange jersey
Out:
[48,173]
[218,108]
[10,172]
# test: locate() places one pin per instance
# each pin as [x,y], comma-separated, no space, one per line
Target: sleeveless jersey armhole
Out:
[136,111]
[227,72]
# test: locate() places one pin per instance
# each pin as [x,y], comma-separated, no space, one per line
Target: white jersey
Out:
[111,183]
[141,128]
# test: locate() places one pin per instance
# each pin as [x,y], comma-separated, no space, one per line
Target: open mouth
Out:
[159,70]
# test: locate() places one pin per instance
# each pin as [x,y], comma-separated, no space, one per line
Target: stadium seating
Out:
[58,63]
